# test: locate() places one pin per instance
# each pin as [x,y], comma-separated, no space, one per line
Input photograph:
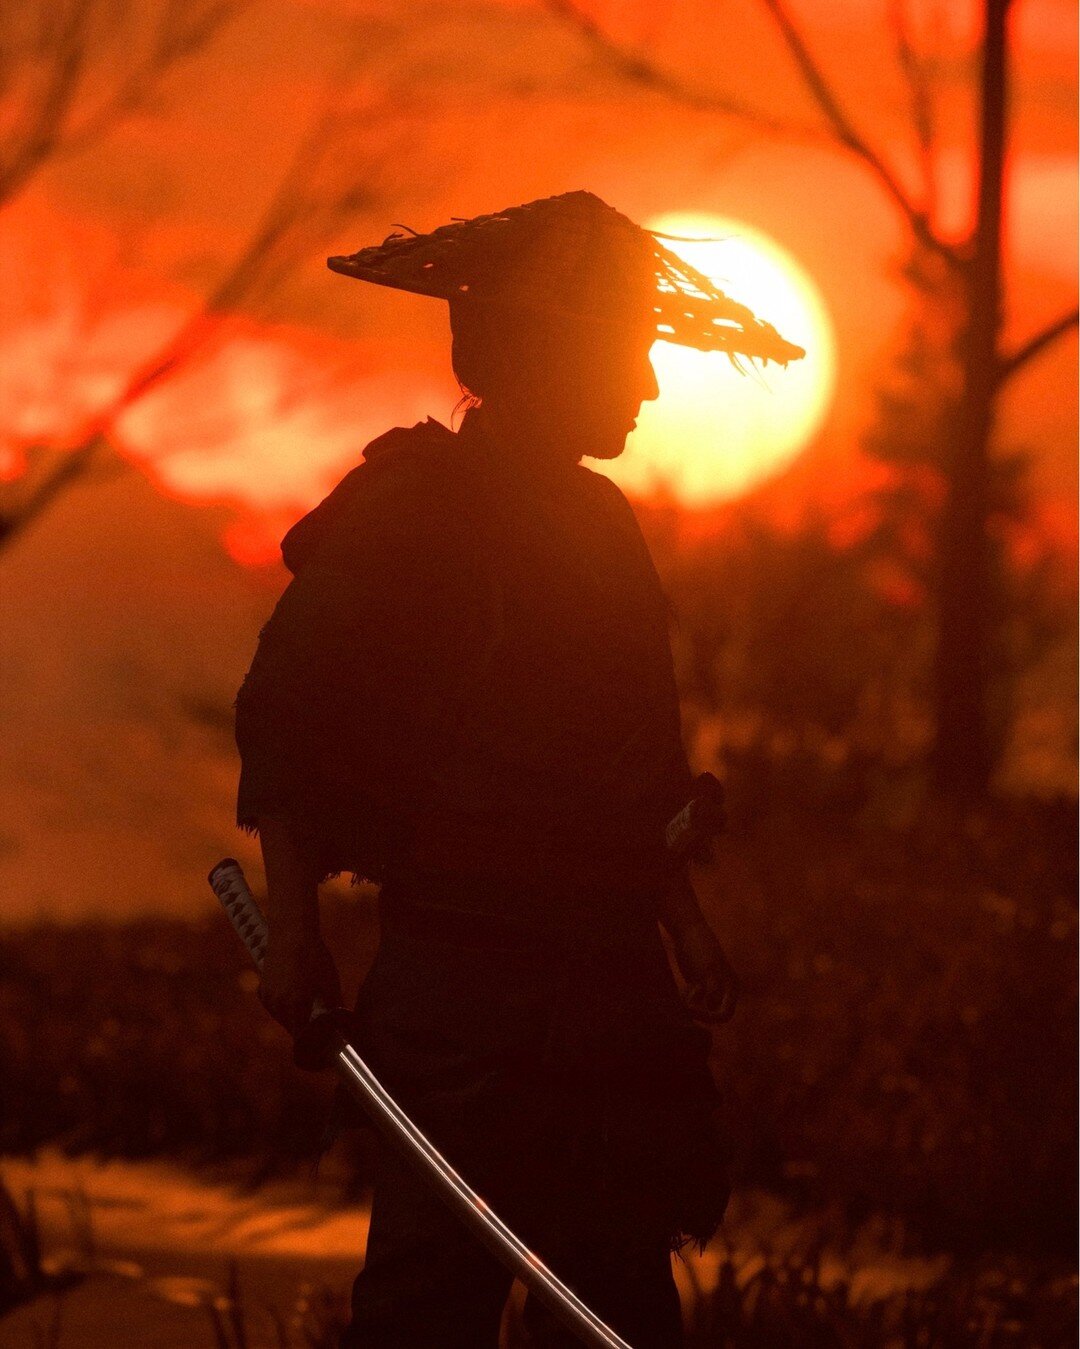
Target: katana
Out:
[326,1041]
[329,1027]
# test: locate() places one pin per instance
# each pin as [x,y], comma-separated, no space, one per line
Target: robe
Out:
[466,694]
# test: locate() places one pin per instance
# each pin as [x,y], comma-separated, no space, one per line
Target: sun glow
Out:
[714,433]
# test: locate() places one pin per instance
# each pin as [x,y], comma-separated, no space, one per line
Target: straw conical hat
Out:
[572,256]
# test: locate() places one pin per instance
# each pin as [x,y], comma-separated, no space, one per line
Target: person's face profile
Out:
[605,375]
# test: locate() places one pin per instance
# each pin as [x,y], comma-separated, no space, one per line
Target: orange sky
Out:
[490,104]
[472,107]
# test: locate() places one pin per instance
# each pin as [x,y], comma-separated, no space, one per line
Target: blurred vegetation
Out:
[762,1300]
[145,1040]
[908,1039]
[907,1042]
[818,639]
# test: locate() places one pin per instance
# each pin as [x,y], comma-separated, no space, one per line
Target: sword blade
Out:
[229,884]
[472,1210]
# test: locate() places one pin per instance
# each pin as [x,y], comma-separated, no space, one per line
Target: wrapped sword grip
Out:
[315,1045]
[228,882]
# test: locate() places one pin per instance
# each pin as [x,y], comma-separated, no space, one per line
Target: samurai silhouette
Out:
[466,695]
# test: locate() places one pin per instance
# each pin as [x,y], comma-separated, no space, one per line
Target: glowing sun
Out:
[715,433]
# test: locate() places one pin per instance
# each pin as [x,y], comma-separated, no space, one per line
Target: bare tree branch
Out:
[59,42]
[850,138]
[922,103]
[307,208]
[74,465]
[638,69]
[1009,365]
[51,51]
[184,31]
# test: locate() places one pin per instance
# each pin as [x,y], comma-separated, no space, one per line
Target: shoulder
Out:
[602,487]
[623,521]
[405,447]
[400,470]
[609,498]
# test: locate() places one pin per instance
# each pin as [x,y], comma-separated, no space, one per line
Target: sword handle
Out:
[228,882]
[314,1046]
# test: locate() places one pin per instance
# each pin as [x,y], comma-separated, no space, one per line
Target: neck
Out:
[533,442]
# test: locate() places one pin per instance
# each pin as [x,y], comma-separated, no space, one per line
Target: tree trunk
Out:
[968,603]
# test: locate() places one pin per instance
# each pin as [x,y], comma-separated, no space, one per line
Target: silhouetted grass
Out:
[761,1301]
[24,1271]
[775,1280]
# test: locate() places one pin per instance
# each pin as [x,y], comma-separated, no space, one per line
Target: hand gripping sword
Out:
[330,1029]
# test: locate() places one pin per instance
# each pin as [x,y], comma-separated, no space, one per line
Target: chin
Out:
[604,444]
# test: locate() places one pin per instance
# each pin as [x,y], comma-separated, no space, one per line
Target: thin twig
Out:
[922,103]
[34,135]
[850,138]
[300,215]
[180,36]
[71,41]
[639,69]
[1009,365]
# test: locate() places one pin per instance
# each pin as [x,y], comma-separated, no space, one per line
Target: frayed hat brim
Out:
[572,257]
